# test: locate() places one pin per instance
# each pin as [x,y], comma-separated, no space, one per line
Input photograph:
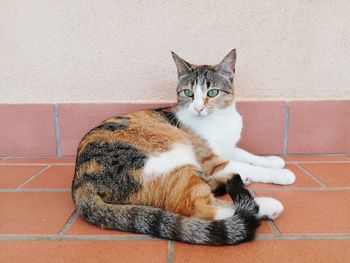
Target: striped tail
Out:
[157,222]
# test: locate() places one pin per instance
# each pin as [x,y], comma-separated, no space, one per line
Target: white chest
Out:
[222,129]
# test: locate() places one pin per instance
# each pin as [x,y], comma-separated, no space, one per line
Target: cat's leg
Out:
[250,173]
[183,191]
[241,155]
[269,208]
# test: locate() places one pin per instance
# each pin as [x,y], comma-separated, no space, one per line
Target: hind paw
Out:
[269,207]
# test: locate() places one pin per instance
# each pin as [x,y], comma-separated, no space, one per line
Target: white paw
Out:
[223,212]
[274,162]
[284,177]
[269,207]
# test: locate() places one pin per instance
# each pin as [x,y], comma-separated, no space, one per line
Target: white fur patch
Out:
[269,207]
[221,128]
[223,212]
[166,162]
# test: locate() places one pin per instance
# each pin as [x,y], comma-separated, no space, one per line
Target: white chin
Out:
[203,113]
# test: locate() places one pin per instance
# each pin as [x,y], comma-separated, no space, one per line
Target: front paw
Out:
[284,177]
[274,162]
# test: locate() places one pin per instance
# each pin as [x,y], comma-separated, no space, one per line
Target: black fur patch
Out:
[121,118]
[156,222]
[251,222]
[218,232]
[235,186]
[117,160]
[220,190]
[169,116]
[112,126]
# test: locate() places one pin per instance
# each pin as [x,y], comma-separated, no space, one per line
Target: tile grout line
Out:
[303,189]
[37,190]
[34,156]
[69,223]
[316,162]
[77,237]
[170,255]
[286,128]
[275,230]
[60,164]
[303,237]
[146,237]
[33,177]
[61,190]
[36,164]
[57,131]
[310,175]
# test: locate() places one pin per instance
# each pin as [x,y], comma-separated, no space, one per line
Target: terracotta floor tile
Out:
[331,174]
[41,160]
[13,176]
[34,213]
[54,177]
[288,251]
[312,212]
[302,180]
[80,227]
[315,158]
[83,251]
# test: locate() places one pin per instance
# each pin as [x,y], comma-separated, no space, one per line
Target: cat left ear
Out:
[183,67]
[227,66]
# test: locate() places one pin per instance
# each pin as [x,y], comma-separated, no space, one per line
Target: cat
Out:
[155,171]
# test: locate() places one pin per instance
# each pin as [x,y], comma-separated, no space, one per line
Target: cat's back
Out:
[148,131]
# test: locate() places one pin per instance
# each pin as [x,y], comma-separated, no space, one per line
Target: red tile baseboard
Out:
[270,127]
[27,129]
[263,126]
[319,127]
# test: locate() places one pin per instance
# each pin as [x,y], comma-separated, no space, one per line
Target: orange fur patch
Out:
[182,192]
[89,168]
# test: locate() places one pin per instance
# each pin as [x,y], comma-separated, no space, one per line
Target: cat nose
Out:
[199,109]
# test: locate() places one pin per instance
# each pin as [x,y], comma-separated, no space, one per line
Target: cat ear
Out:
[183,67]
[227,66]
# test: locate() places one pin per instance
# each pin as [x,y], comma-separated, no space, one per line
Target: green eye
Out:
[188,93]
[213,93]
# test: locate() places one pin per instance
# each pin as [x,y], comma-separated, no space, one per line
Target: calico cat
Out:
[155,171]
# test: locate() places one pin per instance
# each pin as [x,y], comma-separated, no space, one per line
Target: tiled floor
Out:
[38,223]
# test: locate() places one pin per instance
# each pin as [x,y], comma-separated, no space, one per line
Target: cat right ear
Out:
[183,67]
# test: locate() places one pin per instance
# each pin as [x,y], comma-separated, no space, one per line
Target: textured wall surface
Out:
[85,51]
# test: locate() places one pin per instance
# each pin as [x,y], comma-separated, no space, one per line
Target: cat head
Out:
[202,89]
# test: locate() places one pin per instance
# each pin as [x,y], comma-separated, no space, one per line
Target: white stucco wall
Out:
[108,51]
